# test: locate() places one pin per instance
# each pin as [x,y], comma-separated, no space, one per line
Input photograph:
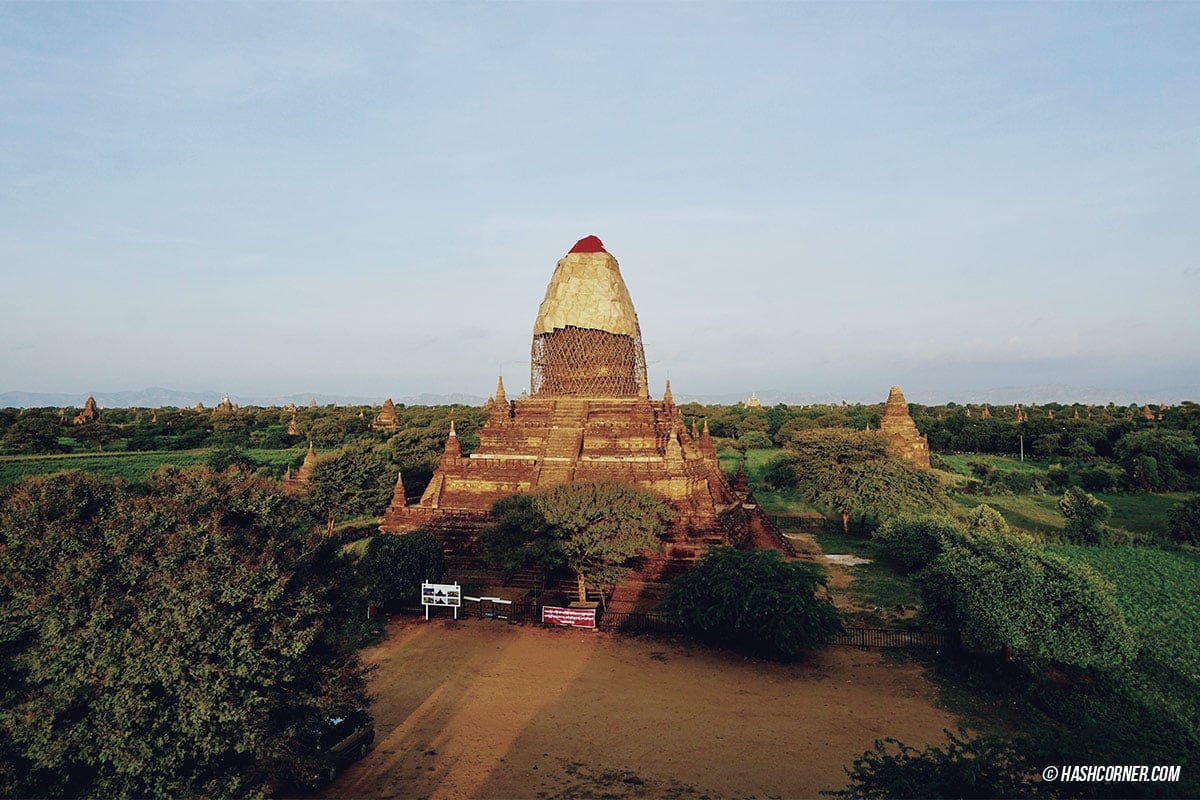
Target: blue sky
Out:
[814,199]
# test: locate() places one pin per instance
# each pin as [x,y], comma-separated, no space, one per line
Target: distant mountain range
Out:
[157,397]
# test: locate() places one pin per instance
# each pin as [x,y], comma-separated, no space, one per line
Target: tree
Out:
[755,601]
[593,528]
[1159,460]
[1085,516]
[983,767]
[854,472]
[34,433]
[395,565]
[598,527]
[1183,523]
[913,543]
[168,639]
[1005,593]
[358,479]
[520,538]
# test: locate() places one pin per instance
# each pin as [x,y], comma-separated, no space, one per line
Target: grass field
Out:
[130,466]
[1158,591]
[960,463]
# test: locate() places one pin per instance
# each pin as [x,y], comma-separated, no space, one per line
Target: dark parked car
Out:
[346,739]
[329,744]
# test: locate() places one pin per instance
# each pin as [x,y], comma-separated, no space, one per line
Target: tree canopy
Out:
[754,600]
[853,472]
[1006,592]
[593,528]
[395,565]
[166,639]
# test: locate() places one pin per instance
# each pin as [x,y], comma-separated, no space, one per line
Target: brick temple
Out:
[906,441]
[588,417]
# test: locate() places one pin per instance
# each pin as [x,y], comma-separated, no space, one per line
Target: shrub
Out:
[986,766]
[1085,516]
[1012,482]
[1057,477]
[985,519]
[1100,478]
[912,543]
[1183,523]
[1004,592]
[754,601]
[395,565]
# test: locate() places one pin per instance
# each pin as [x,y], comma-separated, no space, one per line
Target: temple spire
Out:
[453,450]
[667,397]
[501,398]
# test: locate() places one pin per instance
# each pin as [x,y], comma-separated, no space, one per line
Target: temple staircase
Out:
[564,441]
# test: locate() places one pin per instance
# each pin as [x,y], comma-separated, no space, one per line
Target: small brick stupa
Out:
[89,414]
[588,417]
[386,420]
[906,441]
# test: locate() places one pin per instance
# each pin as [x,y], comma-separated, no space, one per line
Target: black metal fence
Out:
[528,610]
[898,639]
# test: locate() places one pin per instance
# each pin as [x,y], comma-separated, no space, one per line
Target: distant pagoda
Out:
[90,412]
[386,420]
[906,441]
[588,417]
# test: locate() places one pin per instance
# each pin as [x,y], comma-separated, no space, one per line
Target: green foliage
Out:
[985,519]
[980,767]
[34,432]
[1085,516]
[1183,524]
[356,480]
[224,457]
[854,472]
[520,536]
[600,526]
[912,543]
[1159,460]
[754,440]
[164,641]
[1008,592]
[754,601]
[395,565]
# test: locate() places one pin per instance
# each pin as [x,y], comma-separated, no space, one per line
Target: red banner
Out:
[569,617]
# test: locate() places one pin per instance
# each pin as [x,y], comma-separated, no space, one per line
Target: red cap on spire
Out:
[589,244]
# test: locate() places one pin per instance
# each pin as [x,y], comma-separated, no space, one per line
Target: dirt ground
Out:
[483,709]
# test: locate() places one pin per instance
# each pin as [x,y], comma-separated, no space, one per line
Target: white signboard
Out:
[448,595]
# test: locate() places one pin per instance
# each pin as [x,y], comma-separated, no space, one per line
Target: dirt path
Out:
[481,709]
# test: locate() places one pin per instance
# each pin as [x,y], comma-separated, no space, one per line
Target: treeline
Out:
[1101,448]
[414,448]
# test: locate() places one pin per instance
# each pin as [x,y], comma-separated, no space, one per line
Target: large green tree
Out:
[601,525]
[593,528]
[853,472]
[1007,593]
[1159,460]
[395,565]
[166,640]
[34,432]
[754,600]
[358,480]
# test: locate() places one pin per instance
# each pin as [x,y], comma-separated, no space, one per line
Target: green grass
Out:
[1141,513]
[1039,514]
[1034,513]
[875,584]
[129,466]
[1158,592]
[960,463]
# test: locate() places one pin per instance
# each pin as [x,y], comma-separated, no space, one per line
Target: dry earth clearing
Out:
[482,709]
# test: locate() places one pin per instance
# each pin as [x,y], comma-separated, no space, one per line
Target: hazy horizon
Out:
[805,199]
